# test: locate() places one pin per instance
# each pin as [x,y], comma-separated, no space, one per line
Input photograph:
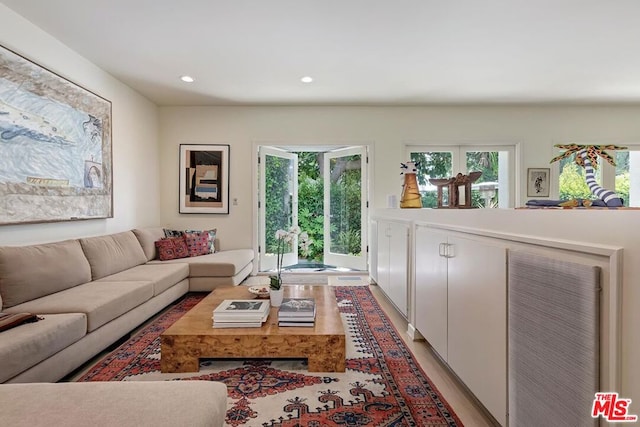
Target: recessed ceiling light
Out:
[306,79]
[187,79]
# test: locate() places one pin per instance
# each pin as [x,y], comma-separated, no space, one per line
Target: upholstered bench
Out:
[117,404]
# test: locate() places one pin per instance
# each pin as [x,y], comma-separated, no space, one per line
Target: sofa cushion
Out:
[118,403]
[212,238]
[172,233]
[172,248]
[30,272]
[147,238]
[112,253]
[27,345]
[220,264]
[162,276]
[197,243]
[100,301]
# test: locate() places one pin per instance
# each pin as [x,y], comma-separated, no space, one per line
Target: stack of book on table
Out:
[297,312]
[234,313]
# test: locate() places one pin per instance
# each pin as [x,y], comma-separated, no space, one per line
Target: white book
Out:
[237,324]
[297,307]
[242,320]
[241,309]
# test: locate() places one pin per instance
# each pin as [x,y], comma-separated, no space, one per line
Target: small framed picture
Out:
[204,178]
[538,182]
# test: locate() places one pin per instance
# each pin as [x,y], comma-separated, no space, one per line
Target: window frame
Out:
[459,161]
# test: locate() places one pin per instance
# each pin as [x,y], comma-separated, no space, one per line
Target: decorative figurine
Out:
[411,197]
[587,157]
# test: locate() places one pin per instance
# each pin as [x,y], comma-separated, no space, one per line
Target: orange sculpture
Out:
[410,197]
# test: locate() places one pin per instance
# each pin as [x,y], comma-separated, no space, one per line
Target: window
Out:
[492,190]
[624,178]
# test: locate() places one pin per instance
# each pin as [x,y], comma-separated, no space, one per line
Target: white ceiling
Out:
[360,52]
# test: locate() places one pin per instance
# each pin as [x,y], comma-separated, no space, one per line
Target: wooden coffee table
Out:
[192,337]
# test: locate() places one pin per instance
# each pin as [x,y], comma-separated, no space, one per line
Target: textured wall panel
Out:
[553,341]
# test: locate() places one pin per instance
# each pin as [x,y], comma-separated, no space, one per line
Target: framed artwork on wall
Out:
[538,182]
[55,146]
[204,179]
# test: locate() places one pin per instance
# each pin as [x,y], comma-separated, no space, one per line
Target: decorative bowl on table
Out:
[260,291]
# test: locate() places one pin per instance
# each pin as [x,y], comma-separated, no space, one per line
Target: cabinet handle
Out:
[449,251]
[442,250]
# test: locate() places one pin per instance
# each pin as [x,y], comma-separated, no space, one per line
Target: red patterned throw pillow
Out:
[172,248]
[212,237]
[197,243]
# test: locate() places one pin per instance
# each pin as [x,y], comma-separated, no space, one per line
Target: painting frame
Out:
[204,179]
[538,182]
[55,146]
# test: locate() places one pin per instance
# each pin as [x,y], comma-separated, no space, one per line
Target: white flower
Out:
[294,229]
[280,234]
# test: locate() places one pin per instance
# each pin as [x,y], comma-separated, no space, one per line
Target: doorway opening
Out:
[324,192]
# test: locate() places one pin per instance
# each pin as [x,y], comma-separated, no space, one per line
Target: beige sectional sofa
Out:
[114,404]
[92,291]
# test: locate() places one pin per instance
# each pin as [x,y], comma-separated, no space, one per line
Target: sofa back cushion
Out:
[112,253]
[30,272]
[147,238]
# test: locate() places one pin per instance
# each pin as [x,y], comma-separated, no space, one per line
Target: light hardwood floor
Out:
[470,412]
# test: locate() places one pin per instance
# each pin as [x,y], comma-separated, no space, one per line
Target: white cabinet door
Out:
[373,254]
[392,262]
[382,250]
[477,301]
[431,288]
[398,265]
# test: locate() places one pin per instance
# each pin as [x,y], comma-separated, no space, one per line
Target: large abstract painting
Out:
[55,146]
[204,178]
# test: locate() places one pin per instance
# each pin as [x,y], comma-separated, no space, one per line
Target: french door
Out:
[278,204]
[344,177]
[345,208]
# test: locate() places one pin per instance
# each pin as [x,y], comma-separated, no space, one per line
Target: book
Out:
[297,307]
[237,323]
[297,319]
[241,310]
[296,324]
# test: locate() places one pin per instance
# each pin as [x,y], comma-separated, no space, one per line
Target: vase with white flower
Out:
[285,240]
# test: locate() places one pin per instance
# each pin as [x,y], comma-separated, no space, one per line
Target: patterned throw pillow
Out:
[212,237]
[172,233]
[197,243]
[172,248]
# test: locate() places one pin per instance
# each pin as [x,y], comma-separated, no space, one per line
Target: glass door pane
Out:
[278,204]
[345,208]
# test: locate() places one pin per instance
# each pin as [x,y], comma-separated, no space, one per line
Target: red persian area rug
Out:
[382,386]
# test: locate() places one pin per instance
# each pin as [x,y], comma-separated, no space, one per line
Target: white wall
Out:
[136,188]
[534,129]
